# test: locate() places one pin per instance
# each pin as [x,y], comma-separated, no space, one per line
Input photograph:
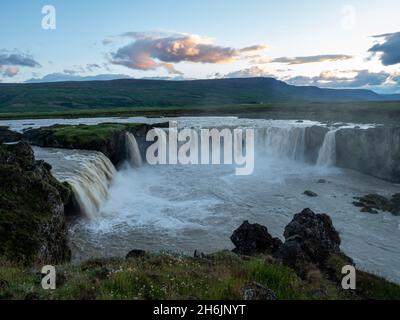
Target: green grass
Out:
[359,112]
[164,276]
[85,134]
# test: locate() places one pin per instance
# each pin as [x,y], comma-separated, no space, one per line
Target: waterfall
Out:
[282,142]
[327,153]
[90,184]
[88,172]
[133,151]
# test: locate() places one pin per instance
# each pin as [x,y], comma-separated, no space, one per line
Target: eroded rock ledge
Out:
[108,138]
[32,222]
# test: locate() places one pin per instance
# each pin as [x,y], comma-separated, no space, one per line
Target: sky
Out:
[338,44]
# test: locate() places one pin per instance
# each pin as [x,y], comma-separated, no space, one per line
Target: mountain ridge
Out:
[61,96]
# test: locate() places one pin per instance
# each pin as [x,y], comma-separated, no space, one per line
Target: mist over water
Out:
[182,208]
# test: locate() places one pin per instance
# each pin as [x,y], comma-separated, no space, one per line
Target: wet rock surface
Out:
[374,151]
[32,222]
[310,194]
[371,203]
[7,136]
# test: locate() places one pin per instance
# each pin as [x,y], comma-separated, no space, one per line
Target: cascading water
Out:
[91,185]
[133,151]
[288,142]
[327,153]
[88,172]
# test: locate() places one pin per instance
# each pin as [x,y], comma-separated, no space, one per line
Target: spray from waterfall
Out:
[327,153]
[133,151]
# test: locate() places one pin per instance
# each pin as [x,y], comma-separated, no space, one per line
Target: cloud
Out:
[92,66]
[312,59]
[17,59]
[251,72]
[343,79]
[11,72]
[107,41]
[150,51]
[389,49]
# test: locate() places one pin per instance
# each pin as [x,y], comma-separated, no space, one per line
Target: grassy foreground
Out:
[219,276]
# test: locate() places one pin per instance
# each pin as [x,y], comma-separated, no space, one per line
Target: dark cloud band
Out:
[389,48]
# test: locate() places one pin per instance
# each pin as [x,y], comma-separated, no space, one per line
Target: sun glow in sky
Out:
[351,44]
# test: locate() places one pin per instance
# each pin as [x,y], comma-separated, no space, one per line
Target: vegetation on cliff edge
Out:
[219,276]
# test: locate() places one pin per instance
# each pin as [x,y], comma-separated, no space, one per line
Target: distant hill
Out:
[62,77]
[64,96]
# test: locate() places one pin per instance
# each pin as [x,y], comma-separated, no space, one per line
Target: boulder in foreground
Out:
[250,239]
[311,239]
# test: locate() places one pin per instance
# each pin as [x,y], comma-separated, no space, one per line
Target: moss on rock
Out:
[32,222]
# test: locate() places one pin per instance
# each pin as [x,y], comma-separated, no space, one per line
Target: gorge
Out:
[125,202]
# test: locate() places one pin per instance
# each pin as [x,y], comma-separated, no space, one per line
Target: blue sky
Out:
[325,43]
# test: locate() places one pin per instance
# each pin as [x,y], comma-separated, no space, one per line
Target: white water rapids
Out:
[88,172]
[183,208]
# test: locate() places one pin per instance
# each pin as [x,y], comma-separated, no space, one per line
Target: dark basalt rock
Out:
[373,202]
[374,151]
[396,204]
[315,233]
[257,292]
[133,254]
[32,222]
[7,136]
[250,239]
[310,240]
[310,194]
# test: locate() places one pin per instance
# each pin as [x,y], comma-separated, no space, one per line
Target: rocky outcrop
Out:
[32,222]
[374,151]
[373,202]
[108,138]
[310,239]
[112,146]
[7,135]
[136,253]
[310,242]
[250,239]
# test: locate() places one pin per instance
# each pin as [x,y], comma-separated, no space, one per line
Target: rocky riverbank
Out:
[7,135]
[32,221]
[307,265]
